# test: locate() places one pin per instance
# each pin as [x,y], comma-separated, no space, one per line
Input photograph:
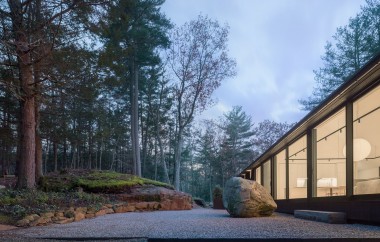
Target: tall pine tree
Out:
[353,45]
[133,31]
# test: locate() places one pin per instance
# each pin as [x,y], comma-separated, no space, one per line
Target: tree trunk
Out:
[26,166]
[162,157]
[135,120]
[89,151]
[37,87]
[96,159]
[113,160]
[55,152]
[46,155]
[38,155]
[144,138]
[72,166]
[78,155]
[19,145]
[155,160]
[100,155]
[39,172]
[26,177]
[177,162]
[65,154]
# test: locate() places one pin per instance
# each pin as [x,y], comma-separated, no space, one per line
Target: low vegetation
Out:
[94,181]
[65,189]
[16,204]
[200,202]
[217,193]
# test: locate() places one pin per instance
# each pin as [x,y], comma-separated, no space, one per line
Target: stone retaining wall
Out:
[80,213]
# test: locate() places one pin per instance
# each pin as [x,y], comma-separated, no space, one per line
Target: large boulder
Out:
[245,198]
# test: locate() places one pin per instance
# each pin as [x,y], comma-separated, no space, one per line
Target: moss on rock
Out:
[95,181]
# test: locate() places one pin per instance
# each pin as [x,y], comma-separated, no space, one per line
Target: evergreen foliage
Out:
[353,45]
[237,143]
[108,79]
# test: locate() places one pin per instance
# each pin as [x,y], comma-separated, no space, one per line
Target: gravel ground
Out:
[196,224]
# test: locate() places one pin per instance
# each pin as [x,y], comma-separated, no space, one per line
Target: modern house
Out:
[330,160]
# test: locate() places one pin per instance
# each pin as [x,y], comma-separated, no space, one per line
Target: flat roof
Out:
[364,79]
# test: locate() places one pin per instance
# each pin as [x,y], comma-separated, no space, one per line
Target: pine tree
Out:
[353,45]
[132,32]
[237,146]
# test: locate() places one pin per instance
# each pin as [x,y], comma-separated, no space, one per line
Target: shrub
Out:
[217,192]
[200,202]
[15,204]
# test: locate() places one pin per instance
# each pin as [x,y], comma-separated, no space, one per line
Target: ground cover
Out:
[64,191]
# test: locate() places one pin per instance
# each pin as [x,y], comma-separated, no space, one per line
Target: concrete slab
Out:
[322,216]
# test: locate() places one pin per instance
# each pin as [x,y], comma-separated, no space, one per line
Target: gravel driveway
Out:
[196,224]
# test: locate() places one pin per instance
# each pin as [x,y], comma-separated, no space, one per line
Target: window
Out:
[298,169]
[280,164]
[249,174]
[258,175]
[331,161]
[366,143]
[267,176]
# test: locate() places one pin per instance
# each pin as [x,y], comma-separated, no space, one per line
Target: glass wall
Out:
[331,161]
[298,169]
[329,138]
[267,176]
[280,164]
[366,143]
[258,175]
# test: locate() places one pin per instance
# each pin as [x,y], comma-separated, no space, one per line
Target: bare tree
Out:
[267,133]
[199,62]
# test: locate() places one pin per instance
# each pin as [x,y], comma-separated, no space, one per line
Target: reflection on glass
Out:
[366,143]
[280,163]
[298,169]
[331,161]
[267,176]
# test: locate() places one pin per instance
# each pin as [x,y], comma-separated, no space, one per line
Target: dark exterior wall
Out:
[365,208]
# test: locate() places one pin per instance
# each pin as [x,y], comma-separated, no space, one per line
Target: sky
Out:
[276,43]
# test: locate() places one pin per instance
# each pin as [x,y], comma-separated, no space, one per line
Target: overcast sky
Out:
[276,43]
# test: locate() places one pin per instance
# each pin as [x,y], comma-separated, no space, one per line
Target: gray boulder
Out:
[245,198]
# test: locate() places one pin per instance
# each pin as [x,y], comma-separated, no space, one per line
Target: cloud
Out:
[277,45]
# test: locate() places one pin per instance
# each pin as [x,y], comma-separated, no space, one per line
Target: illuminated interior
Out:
[331,161]
[258,175]
[298,169]
[280,163]
[267,176]
[366,145]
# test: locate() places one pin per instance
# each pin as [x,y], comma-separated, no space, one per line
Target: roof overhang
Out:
[364,79]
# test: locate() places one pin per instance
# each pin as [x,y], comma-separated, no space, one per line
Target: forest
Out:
[114,85]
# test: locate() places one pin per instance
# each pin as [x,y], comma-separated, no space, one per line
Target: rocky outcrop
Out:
[245,198]
[156,198]
[144,198]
